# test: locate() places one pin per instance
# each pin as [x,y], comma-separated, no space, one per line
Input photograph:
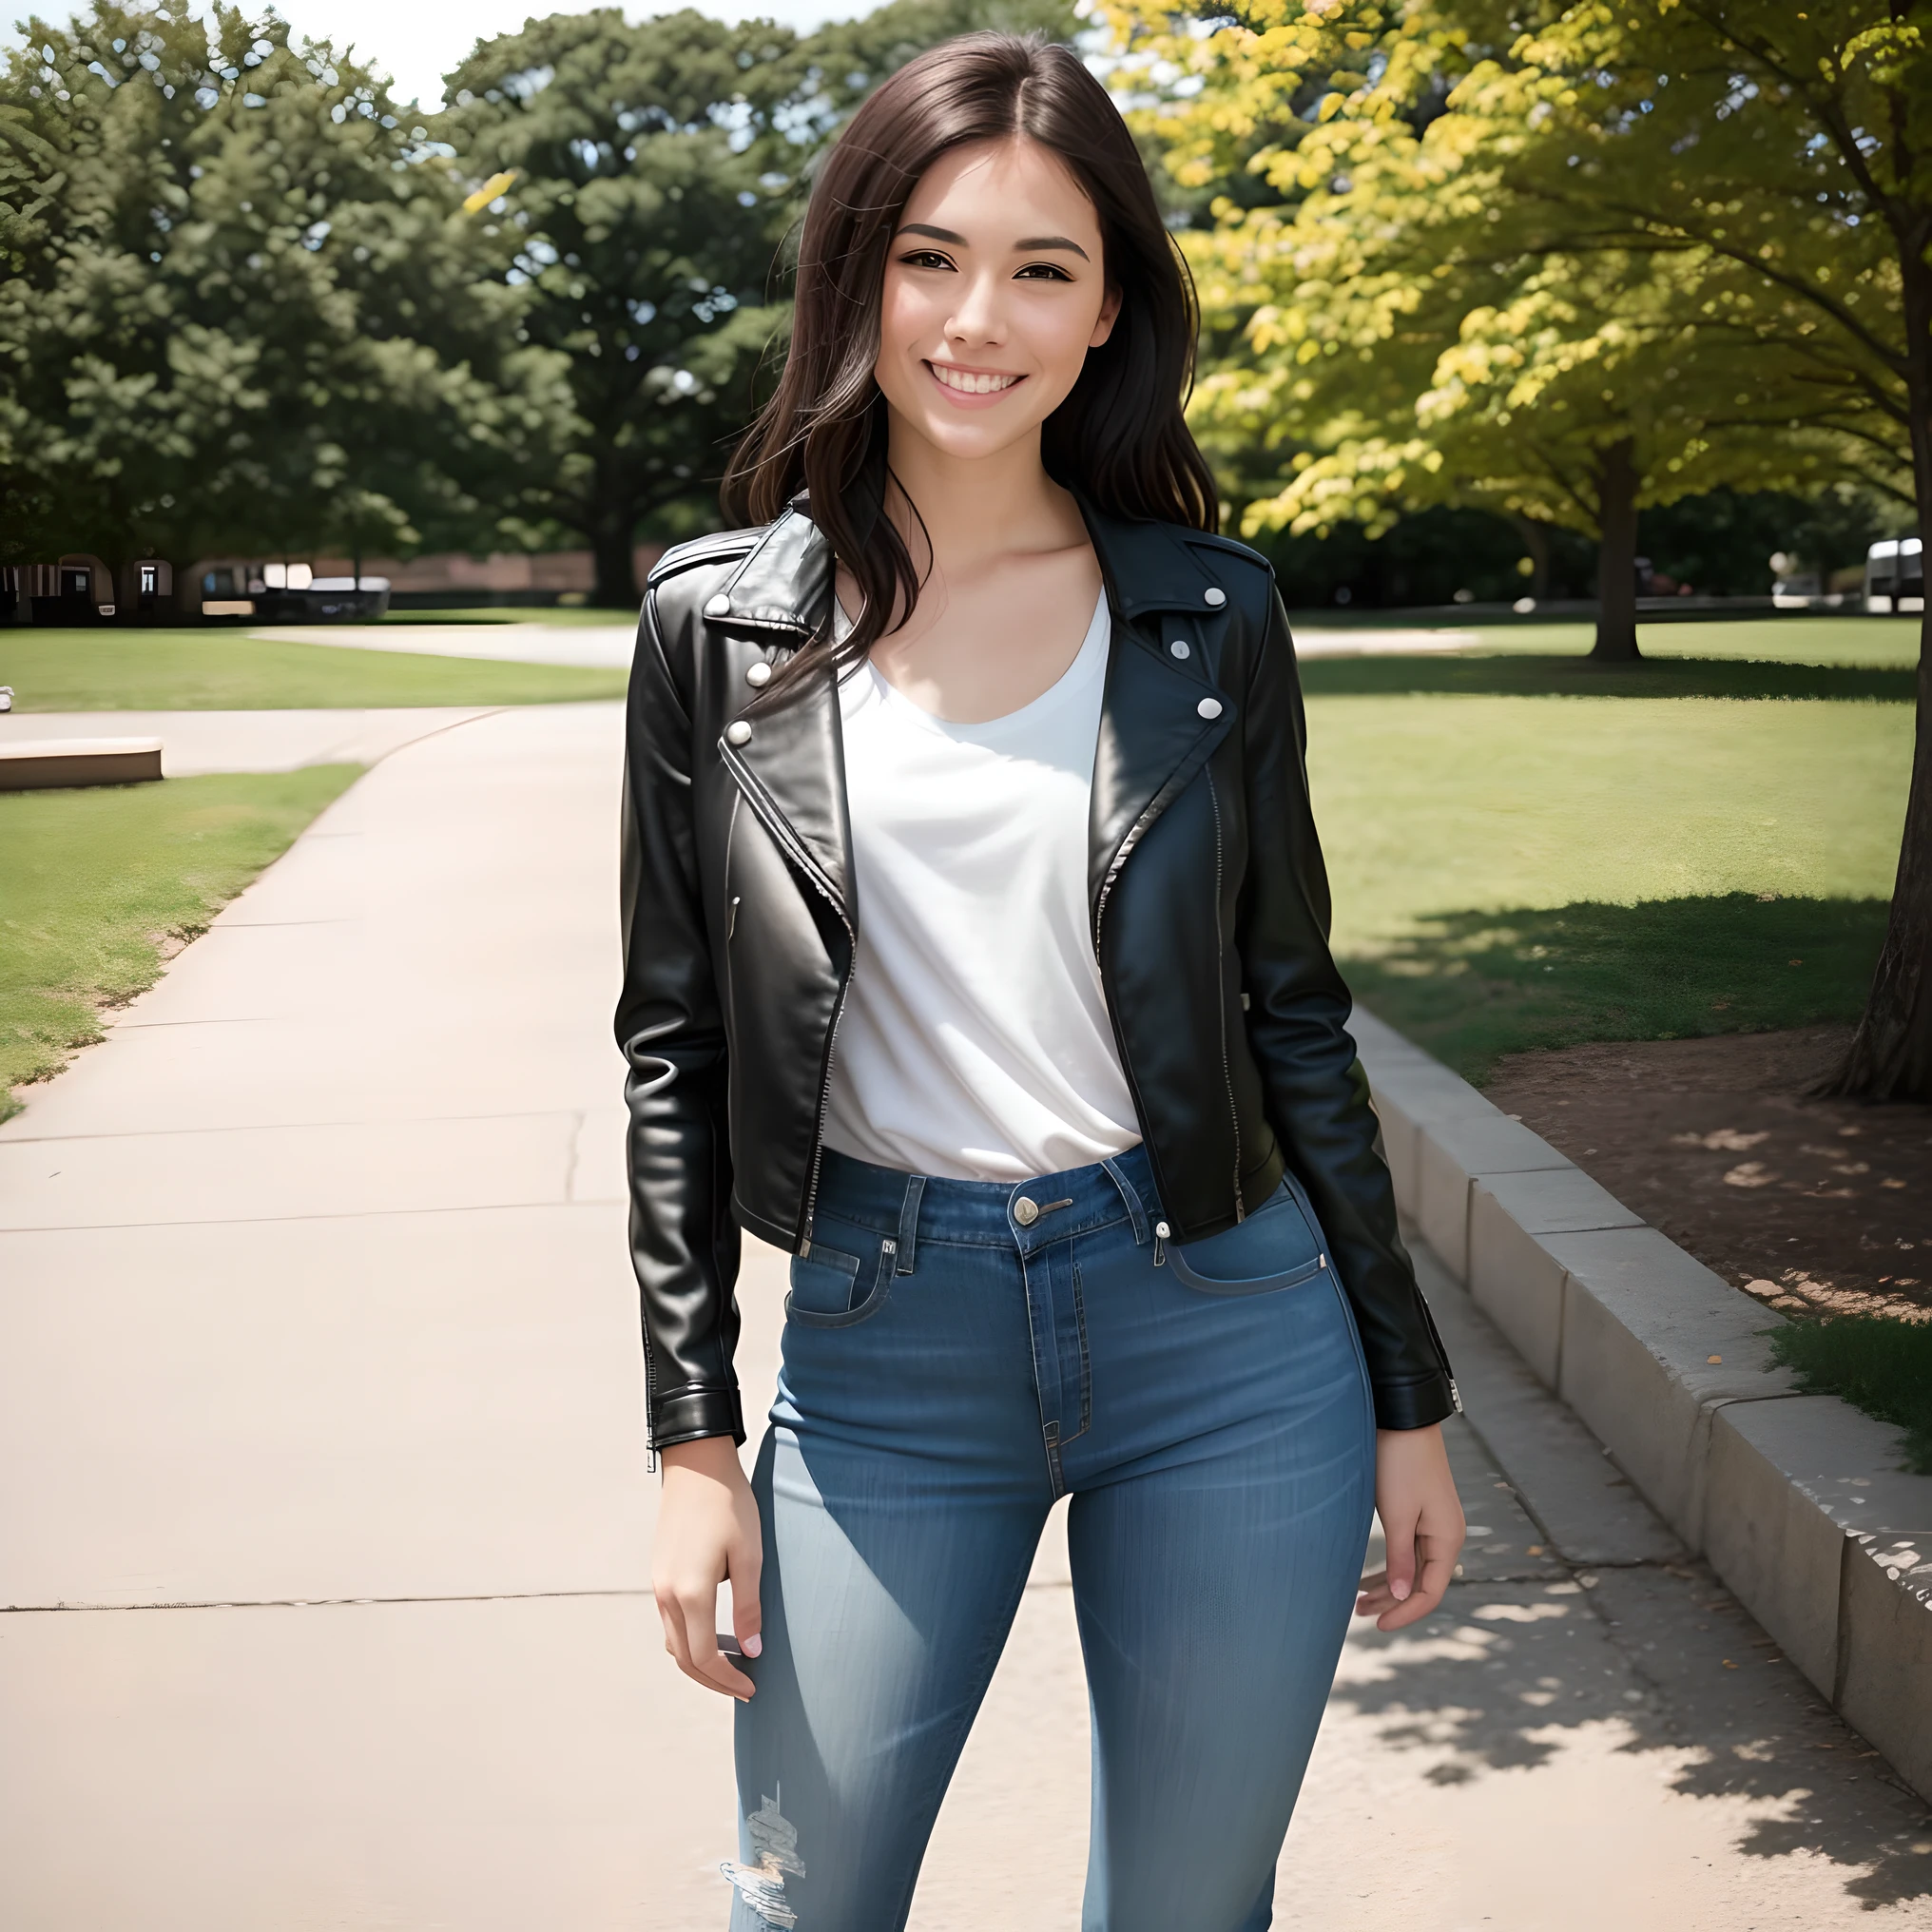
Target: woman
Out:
[977,955]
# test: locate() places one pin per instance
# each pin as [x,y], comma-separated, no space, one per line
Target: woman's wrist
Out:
[712,1456]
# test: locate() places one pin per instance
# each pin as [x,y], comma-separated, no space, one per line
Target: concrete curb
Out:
[1796,1501]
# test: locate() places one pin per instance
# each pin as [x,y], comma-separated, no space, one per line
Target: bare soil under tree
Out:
[1821,1205]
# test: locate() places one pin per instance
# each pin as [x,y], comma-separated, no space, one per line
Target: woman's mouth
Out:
[973,383]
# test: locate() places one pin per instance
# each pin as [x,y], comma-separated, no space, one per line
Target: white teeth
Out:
[969,383]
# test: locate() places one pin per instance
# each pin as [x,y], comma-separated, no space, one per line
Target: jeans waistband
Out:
[1017,1214]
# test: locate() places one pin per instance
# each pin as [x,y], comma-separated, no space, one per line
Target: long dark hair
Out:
[1119,439]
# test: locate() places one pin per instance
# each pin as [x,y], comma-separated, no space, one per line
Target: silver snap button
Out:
[739,733]
[1209,707]
[719,606]
[1214,596]
[759,675]
[1179,648]
[1162,1229]
[1026,1210]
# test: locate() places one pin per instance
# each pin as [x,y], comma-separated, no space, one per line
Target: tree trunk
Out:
[1616,556]
[1536,539]
[1891,1052]
[613,553]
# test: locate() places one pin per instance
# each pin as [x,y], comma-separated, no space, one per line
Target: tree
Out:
[221,250]
[1398,323]
[1772,163]
[654,171]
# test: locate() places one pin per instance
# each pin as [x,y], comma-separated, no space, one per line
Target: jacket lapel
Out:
[1153,737]
[792,767]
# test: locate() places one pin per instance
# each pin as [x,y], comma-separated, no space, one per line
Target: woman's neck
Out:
[977,511]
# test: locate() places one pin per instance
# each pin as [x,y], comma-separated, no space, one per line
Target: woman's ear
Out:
[1109,310]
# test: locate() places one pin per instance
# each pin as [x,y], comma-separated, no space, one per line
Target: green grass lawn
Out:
[228,670]
[94,881]
[1512,872]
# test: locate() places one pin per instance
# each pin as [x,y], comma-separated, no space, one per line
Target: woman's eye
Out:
[1043,271]
[925,257]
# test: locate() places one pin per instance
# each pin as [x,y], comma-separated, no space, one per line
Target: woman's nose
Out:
[978,316]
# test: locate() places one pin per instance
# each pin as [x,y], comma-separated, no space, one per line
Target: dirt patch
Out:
[1820,1205]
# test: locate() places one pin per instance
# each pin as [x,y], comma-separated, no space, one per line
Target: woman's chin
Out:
[966,439]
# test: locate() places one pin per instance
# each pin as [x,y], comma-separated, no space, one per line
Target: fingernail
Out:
[752,1645]
[1400,1592]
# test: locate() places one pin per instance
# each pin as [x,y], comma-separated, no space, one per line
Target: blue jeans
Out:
[957,1354]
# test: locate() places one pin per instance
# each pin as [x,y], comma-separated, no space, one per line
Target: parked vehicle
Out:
[1894,577]
[280,593]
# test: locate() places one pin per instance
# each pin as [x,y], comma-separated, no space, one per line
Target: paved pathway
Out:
[194,742]
[603,646]
[325,1515]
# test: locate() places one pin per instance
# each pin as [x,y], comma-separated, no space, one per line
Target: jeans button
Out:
[1026,1210]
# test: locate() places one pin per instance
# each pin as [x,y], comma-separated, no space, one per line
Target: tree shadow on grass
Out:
[1473,986]
[1509,676]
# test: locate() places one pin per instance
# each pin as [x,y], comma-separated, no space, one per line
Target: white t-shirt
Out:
[974,1042]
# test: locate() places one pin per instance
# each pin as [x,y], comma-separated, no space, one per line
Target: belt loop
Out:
[909,1222]
[1128,1193]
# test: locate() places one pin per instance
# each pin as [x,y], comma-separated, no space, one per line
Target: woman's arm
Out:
[684,1242]
[1316,1094]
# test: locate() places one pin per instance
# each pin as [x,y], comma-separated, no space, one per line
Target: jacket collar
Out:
[785,583]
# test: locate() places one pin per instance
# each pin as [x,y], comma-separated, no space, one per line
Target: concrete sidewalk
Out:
[197,742]
[326,1521]
[601,646]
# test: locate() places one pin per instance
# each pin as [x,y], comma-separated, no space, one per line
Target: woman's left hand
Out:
[1421,1523]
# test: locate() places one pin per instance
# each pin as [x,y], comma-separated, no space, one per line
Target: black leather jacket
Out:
[1210,918]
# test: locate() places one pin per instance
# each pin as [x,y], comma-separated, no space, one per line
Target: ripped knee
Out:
[775,1856]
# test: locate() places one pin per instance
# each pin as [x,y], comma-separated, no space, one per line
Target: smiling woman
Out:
[977,952]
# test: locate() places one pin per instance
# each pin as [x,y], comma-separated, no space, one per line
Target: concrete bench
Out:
[33,764]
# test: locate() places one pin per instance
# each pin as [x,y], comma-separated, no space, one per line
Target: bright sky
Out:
[418,40]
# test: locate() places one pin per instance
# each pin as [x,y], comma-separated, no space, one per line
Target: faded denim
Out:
[948,1372]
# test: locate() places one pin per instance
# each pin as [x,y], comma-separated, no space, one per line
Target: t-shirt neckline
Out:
[1090,658]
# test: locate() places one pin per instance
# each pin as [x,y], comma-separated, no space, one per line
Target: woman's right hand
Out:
[706,1530]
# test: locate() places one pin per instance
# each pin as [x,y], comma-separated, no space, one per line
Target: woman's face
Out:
[995,291]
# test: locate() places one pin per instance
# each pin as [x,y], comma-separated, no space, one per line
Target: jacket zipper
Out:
[1221,991]
[774,824]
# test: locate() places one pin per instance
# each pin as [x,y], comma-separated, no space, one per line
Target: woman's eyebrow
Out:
[1026,247]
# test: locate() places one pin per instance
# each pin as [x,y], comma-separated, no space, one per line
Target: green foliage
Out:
[1875,1362]
[1495,244]
[242,307]
[95,882]
[225,671]
[657,168]
[249,302]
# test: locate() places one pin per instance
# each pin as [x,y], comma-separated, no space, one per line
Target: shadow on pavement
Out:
[1511,1672]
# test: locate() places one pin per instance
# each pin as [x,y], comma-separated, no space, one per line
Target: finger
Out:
[747,1618]
[1400,1536]
[708,1664]
[1425,1597]
[671,1613]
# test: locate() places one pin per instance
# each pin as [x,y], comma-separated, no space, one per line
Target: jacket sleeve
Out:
[684,1242]
[1297,1021]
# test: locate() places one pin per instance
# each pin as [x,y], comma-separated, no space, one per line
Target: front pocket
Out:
[1276,1246]
[825,1290]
